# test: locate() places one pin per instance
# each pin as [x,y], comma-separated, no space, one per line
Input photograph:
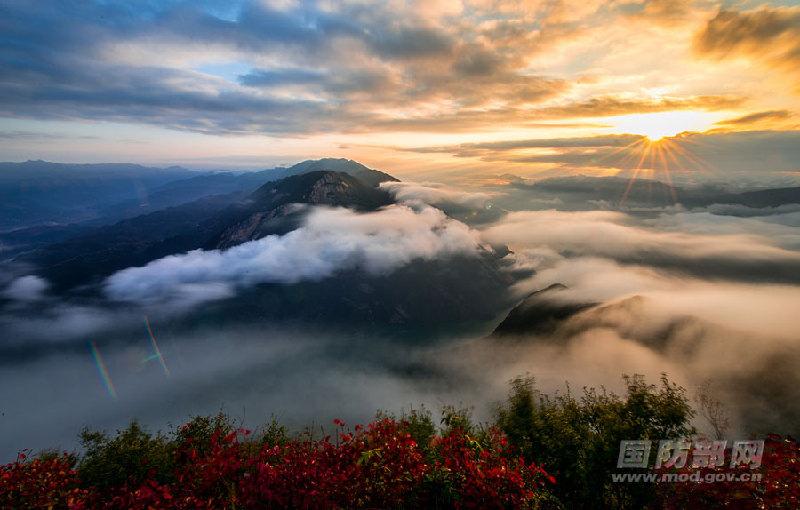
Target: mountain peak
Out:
[367,175]
[270,208]
[321,187]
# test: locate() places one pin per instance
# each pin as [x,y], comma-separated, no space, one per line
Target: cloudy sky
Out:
[447,88]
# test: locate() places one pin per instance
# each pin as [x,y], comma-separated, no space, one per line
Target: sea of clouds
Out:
[704,296]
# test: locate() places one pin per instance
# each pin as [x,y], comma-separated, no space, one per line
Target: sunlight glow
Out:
[656,126]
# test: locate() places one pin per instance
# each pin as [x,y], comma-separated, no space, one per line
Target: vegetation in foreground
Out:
[541,452]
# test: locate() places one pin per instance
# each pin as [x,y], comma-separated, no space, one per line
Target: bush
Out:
[131,457]
[47,482]
[577,439]
[209,464]
[543,452]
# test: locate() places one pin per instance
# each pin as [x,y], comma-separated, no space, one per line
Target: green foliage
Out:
[419,423]
[457,418]
[133,455]
[574,437]
[70,459]
[273,434]
[198,432]
[577,439]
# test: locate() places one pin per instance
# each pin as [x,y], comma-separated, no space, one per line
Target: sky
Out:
[438,89]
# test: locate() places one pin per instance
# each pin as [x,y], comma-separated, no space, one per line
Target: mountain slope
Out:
[420,300]
[220,183]
[415,301]
[212,222]
[270,211]
[538,314]
[348,166]
[40,193]
[64,214]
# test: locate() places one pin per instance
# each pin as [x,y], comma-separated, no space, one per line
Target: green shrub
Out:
[133,455]
[577,439]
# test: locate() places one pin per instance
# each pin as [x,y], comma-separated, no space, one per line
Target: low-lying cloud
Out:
[744,255]
[436,194]
[691,293]
[330,240]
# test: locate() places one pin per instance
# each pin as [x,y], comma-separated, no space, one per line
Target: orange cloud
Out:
[766,35]
[757,118]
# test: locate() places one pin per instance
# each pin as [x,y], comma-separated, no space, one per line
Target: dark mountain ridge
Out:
[209,223]
[41,194]
[62,218]
[421,299]
[538,314]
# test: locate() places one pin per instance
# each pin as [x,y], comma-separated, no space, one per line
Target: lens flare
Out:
[103,370]
[156,351]
[660,157]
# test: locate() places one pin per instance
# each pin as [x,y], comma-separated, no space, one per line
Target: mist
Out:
[706,296]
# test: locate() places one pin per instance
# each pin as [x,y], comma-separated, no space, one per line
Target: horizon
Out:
[446,89]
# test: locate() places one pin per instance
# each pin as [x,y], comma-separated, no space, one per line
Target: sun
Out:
[656,126]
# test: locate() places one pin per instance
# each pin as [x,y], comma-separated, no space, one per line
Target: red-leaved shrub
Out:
[378,466]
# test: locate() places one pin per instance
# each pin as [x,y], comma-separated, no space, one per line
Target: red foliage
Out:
[40,483]
[379,466]
[489,475]
[779,486]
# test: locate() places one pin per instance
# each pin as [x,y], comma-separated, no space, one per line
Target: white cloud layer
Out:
[436,194]
[329,241]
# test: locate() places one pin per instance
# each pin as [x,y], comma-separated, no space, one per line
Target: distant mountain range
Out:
[586,192]
[39,193]
[420,298]
[128,216]
[44,203]
[208,223]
